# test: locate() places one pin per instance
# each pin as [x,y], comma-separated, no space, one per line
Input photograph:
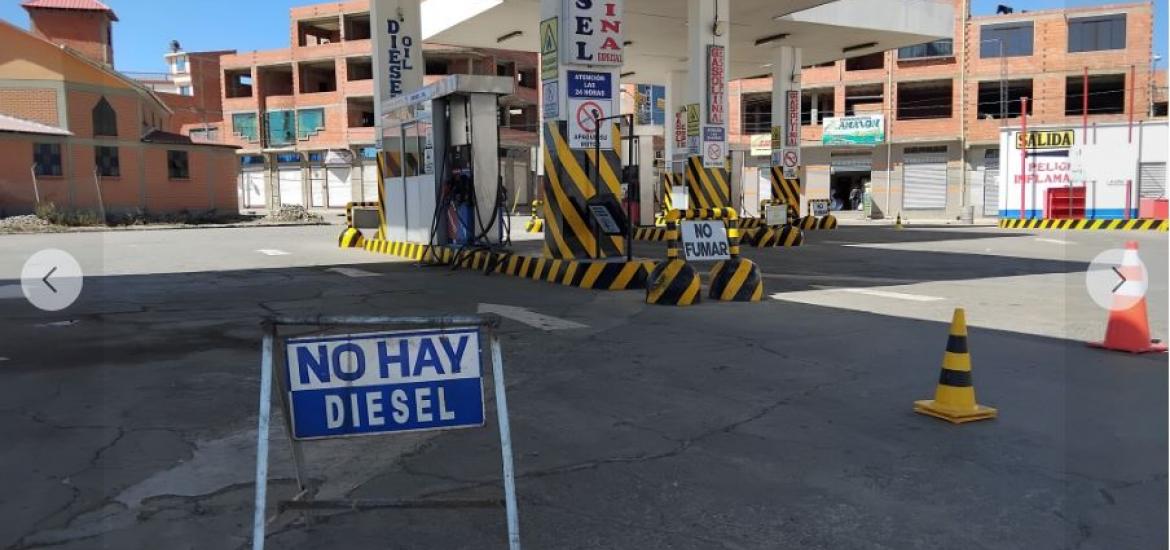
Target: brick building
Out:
[941,109]
[76,132]
[304,115]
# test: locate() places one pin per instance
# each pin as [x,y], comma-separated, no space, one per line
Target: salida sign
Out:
[594,31]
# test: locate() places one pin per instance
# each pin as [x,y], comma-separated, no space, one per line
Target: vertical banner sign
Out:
[643,108]
[716,87]
[693,128]
[593,30]
[658,95]
[792,139]
[777,138]
[397,55]
[589,93]
[680,130]
[549,48]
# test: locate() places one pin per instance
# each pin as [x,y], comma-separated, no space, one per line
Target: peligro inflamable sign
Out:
[705,241]
[364,384]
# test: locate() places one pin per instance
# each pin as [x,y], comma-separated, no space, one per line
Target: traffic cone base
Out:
[954,416]
[1128,328]
[954,397]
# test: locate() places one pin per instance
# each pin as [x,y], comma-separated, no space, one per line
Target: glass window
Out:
[281,128]
[1016,39]
[177,165]
[185,90]
[105,119]
[244,125]
[1090,34]
[938,48]
[47,159]
[310,122]
[106,161]
[756,113]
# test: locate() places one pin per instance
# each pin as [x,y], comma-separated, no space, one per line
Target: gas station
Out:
[441,199]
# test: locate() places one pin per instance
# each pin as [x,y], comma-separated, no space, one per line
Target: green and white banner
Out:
[854,130]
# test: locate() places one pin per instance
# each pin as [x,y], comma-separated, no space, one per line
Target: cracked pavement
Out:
[785,424]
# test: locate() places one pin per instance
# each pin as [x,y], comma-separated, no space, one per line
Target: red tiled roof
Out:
[86,5]
[22,126]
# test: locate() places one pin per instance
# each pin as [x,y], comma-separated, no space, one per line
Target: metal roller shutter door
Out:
[255,190]
[340,189]
[1153,180]
[851,162]
[291,190]
[991,187]
[369,182]
[924,180]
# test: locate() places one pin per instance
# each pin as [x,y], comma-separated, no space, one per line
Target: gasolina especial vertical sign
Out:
[716,84]
[593,32]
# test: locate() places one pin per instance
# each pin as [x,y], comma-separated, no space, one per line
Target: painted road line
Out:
[531,318]
[888,294]
[353,272]
[8,292]
[272,252]
[1053,241]
[882,281]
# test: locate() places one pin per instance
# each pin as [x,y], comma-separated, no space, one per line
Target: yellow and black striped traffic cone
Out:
[898,223]
[954,398]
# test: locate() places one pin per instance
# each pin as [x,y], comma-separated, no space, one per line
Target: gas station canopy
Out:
[825,30]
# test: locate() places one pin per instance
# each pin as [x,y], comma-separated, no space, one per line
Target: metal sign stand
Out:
[303,500]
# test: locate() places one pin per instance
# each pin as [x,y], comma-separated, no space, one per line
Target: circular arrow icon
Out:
[1117,282]
[51,279]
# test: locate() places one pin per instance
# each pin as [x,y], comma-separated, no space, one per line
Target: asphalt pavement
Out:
[129,418]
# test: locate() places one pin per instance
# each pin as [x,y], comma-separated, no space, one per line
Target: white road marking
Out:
[871,292]
[849,278]
[1053,241]
[272,252]
[531,318]
[352,272]
[7,292]
[57,324]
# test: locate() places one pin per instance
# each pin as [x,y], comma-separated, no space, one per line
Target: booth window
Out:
[47,159]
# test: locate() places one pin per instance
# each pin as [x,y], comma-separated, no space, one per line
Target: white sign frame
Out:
[589,31]
[303,499]
[819,207]
[716,235]
[581,138]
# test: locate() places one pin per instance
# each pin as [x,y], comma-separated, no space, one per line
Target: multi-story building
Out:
[76,132]
[940,106]
[191,86]
[304,115]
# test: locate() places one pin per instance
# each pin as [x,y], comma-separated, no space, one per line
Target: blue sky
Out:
[145,30]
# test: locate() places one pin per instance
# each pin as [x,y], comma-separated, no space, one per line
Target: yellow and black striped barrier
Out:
[708,187]
[673,283]
[768,237]
[786,191]
[810,223]
[568,185]
[351,238]
[736,280]
[652,234]
[1087,225]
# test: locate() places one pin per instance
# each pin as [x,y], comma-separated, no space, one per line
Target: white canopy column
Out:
[786,64]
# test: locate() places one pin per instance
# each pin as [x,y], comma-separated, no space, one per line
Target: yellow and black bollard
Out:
[673,282]
[535,224]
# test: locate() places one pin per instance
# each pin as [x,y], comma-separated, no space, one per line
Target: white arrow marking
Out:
[531,318]
[352,272]
[272,252]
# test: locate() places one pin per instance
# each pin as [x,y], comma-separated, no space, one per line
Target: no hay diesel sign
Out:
[705,241]
[365,384]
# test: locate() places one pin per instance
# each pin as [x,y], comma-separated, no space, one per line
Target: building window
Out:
[359,68]
[1091,34]
[177,165]
[185,90]
[244,126]
[864,99]
[310,122]
[106,161]
[1106,95]
[237,82]
[923,100]
[756,113]
[938,48]
[997,99]
[823,106]
[1014,38]
[105,120]
[436,67]
[866,62]
[281,128]
[47,159]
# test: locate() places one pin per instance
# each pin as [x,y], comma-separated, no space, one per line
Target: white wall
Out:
[1109,159]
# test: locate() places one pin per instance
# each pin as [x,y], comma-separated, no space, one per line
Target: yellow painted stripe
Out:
[668,275]
[625,276]
[737,280]
[554,228]
[591,274]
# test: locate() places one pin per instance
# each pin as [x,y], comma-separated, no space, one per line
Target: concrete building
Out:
[939,107]
[303,116]
[76,132]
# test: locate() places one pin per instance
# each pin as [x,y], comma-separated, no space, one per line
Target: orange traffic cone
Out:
[1129,325]
[954,398]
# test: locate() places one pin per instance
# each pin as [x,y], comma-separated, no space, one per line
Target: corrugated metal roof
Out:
[87,5]
[22,126]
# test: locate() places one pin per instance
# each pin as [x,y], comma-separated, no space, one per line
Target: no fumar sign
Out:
[705,241]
